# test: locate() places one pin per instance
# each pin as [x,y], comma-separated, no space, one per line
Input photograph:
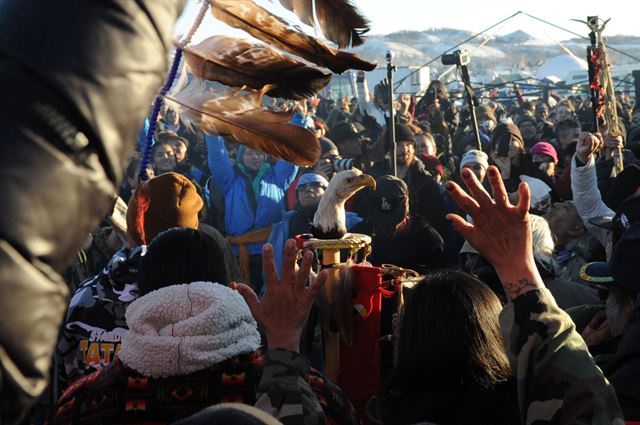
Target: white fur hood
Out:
[180,329]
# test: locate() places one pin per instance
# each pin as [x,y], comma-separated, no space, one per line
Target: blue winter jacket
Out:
[246,211]
[280,234]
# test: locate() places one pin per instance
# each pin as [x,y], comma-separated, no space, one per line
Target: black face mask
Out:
[503,143]
[532,169]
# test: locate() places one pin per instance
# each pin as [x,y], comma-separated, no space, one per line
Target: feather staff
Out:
[236,63]
[263,25]
[603,96]
[242,117]
[338,20]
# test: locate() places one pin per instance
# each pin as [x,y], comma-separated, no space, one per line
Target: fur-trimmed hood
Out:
[184,328]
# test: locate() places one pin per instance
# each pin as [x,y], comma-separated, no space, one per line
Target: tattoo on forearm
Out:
[514,290]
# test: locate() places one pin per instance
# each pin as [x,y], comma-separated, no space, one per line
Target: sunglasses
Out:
[312,185]
[474,166]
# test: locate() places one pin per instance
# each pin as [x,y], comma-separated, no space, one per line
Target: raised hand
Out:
[405,101]
[434,111]
[324,166]
[500,231]
[284,310]
[588,145]
[612,145]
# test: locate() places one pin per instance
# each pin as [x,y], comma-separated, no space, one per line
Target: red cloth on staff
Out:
[359,375]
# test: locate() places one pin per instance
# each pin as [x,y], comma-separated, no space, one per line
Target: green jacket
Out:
[558,380]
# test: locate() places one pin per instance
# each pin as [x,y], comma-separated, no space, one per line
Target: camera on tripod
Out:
[458,58]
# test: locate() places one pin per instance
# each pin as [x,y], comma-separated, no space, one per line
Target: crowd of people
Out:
[464,353]
[524,301]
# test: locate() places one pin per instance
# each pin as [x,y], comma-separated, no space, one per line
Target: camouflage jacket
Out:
[558,380]
[295,394]
[95,320]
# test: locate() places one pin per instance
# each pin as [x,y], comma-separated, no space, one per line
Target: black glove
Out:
[382,91]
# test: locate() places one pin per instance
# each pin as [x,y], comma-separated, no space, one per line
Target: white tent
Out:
[561,67]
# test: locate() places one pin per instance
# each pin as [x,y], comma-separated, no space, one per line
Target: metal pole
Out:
[636,83]
[473,102]
[391,124]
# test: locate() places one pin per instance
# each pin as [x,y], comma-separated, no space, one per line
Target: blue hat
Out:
[597,273]
[470,139]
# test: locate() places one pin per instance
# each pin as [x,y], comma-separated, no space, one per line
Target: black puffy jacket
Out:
[77,78]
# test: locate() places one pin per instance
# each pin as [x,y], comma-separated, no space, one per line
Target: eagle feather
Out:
[237,62]
[338,20]
[269,28]
[240,115]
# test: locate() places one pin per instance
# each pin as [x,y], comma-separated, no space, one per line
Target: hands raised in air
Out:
[284,309]
[500,231]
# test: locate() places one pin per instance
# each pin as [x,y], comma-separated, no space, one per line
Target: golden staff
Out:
[603,97]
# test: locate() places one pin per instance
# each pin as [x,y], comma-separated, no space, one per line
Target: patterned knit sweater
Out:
[119,395]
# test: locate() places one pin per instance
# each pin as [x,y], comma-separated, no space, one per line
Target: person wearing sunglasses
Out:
[309,191]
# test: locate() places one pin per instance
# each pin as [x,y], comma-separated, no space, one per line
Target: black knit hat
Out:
[623,186]
[326,145]
[624,262]
[344,131]
[404,134]
[627,214]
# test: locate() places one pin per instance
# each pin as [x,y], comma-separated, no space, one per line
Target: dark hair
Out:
[570,149]
[566,125]
[182,255]
[159,143]
[546,130]
[449,336]
[440,89]
[526,106]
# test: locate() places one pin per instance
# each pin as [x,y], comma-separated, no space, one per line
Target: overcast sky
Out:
[473,15]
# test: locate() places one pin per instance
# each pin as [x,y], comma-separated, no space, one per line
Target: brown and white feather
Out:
[339,20]
[269,28]
[240,115]
[237,62]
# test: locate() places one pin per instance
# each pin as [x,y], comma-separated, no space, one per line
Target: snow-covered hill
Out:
[517,50]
